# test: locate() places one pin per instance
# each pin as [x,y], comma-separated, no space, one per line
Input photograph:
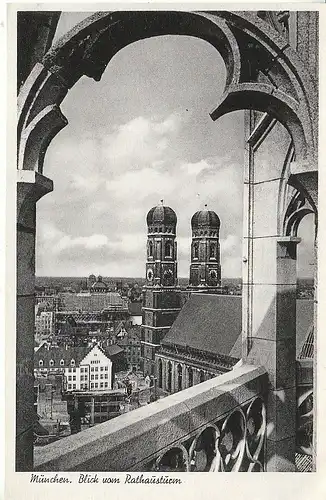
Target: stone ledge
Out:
[32,177]
[130,441]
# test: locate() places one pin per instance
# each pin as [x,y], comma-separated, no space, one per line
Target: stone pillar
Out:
[173,378]
[269,284]
[30,188]
[167,377]
[184,376]
[163,374]
[272,343]
[196,376]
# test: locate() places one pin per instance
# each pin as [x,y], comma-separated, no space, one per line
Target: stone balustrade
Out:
[218,425]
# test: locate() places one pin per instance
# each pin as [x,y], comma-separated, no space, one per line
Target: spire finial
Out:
[205,205]
[161,202]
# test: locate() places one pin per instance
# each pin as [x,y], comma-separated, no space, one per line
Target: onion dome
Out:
[205,219]
[161,215]
[99,285]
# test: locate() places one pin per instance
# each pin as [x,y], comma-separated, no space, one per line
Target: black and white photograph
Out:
[166,244]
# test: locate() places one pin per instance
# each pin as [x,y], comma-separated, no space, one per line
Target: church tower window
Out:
[195,247]
[168,249]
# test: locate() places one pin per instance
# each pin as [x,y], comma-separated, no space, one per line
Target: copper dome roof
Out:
[205,218]
[161,215]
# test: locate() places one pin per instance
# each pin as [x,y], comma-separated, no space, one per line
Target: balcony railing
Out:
[218,425]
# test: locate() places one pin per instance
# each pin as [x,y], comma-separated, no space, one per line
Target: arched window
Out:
[168,249]
[169,377]
[201,376]
[150,249]
[51,362]
[212,250]
[40,363]
[160,373]
[190,377]
[179,369]
[195,250]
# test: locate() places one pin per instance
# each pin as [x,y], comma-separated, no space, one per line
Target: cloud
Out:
[60,243]
[230,243]
[196,168]
[141,134]
[140,141]
[141,184]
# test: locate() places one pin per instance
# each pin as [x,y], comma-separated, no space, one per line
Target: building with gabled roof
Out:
[84,368]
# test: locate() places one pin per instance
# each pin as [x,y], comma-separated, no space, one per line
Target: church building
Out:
[205,340]
[200,342]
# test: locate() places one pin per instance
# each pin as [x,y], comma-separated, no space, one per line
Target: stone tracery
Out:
[231,444]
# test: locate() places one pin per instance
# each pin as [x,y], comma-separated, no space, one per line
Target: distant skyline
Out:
[141,134]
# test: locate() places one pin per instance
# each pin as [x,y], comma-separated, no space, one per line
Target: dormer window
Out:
[51,362]
[62,362]
[40,363]
[72,362]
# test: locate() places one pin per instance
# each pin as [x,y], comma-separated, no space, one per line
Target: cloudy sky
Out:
[141,134]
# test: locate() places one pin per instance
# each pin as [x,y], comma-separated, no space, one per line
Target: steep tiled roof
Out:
[111,350]
[90,302]
[59,353]
[77,353]
[212,323]
[209,323]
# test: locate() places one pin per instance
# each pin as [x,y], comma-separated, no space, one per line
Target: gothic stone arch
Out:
[263,73]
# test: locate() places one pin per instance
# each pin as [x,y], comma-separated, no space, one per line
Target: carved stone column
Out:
[272,343]
[184,376]
[173,378]
[30,188]
[163,374]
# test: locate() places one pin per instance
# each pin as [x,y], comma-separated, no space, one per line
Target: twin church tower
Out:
[163,299]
